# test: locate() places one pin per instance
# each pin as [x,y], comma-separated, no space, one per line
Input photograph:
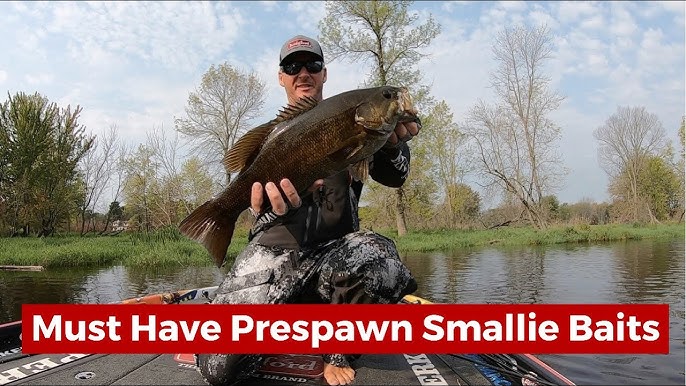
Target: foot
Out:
[338,375]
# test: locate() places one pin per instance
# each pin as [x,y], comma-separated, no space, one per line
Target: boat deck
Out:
[17,368]
[139,369]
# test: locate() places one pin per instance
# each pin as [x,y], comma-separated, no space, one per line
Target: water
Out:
[648,271]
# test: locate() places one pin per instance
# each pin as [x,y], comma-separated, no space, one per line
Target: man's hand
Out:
[404,131]
[276,199]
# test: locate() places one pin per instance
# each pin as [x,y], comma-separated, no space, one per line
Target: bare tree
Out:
[96,170]
[514,139]
[117,182]
[627,139]
[219,111]
[383,32]
[168,184]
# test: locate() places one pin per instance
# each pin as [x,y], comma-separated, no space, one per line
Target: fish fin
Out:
[360,170]
[244,151]
[289,112]
[212,228]
[355,150]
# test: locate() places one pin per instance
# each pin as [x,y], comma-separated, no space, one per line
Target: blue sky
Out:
[132,64]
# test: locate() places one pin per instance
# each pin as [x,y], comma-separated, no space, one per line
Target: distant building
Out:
[119,225]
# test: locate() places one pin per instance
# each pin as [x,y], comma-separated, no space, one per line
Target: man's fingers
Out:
[316,185]
[413,127]
[290,192]
[256,198]
[278,204]
[401,130]
[392,140]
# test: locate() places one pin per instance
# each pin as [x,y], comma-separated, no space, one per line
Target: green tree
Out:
[42,146]
[461,204]
[115,211]
[514,139]
[550,207]
[383,33]
[627,140]
[139,186]
[196,185]
[660,188]
[219,111]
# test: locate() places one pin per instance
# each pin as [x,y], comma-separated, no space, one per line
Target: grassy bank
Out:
[446,240]
[162,248]
[168,247]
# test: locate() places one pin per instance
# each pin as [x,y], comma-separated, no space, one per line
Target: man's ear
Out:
[281,79]
[324,79]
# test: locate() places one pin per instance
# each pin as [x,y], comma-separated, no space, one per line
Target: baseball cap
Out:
[300,43]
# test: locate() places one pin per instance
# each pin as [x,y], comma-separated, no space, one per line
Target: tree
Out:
[514,138]
[626,141]
[96,169]
[119,173]
[660,188]
[445,141]
[141,174]
[461,205]
[219,111]
[381,32]
[42,146]
[680,166]
[115,211]
[196,185]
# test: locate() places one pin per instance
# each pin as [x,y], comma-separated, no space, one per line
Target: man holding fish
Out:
[306,245]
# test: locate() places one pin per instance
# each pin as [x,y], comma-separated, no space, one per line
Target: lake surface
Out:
[649,271]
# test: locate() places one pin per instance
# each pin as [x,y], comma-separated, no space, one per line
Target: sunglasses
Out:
[293,68]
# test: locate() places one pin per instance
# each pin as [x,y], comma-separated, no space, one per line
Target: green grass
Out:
[162,248]
[445,240]
[168,247]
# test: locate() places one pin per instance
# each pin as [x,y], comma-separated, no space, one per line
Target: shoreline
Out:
[169,248]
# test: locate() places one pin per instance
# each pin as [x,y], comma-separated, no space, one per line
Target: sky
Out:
[133,64]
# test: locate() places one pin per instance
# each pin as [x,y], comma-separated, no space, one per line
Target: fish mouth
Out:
[406,108]
[377,132]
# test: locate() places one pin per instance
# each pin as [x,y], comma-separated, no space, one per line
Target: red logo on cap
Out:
[299,43]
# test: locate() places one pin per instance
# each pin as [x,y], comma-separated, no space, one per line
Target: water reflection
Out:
[94,285]
[624,272]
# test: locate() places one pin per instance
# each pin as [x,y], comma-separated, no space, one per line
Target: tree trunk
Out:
[400,212]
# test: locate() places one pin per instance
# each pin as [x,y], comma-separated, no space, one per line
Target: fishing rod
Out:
[507,366]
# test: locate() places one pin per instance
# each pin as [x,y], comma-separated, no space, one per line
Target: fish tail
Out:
[211,227]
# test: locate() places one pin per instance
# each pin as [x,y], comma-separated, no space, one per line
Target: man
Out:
[309,249]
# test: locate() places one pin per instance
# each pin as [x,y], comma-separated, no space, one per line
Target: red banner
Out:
[359,329]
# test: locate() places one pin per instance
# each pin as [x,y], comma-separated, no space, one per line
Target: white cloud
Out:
[39,79]
[656,57]
[572,11]
[540,16]
[512,6]
[622,23]
[593,22]
[177,35]
[3,76]
[269,6]
[307,14]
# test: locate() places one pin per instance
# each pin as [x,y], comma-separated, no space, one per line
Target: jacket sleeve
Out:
[391,166]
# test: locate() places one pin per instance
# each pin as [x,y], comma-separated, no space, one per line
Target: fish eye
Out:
[387,94]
